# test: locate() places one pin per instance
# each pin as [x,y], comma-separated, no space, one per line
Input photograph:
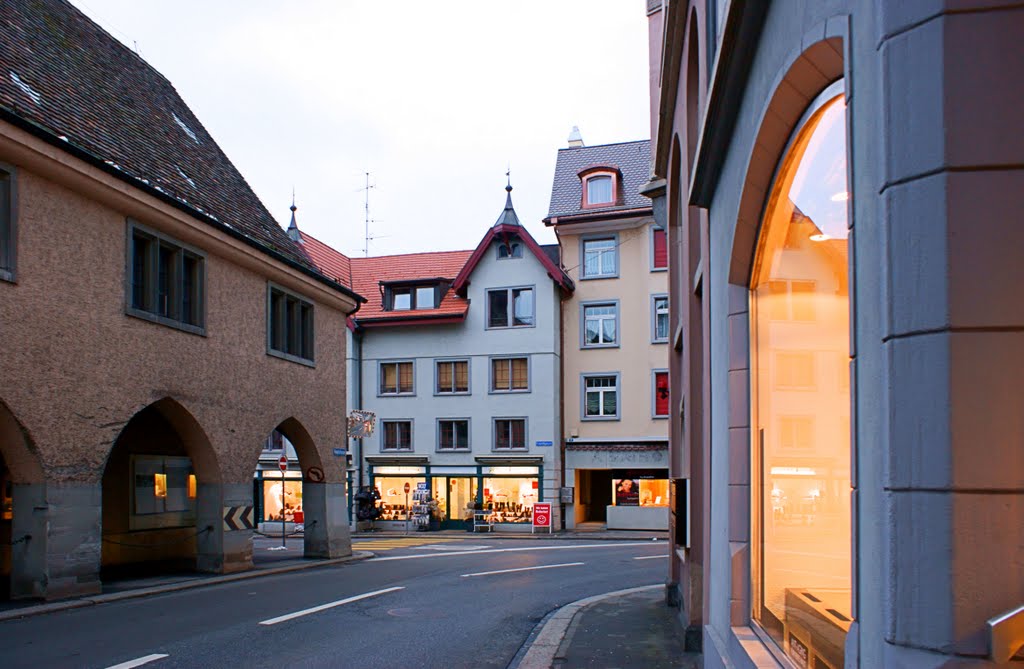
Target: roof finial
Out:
[508,216]
[293,227]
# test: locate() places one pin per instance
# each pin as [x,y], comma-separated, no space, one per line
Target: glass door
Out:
[455,496]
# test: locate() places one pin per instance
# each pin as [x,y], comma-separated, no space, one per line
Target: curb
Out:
[548,641]
[41,609]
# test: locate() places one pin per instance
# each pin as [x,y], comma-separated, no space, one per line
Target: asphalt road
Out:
[445,610]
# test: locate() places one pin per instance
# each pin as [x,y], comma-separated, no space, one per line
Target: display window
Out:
[800,326]
[639,487]
[510,500]
[393,502]
[290,505]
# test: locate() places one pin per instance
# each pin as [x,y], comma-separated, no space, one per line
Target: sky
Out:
[435,100]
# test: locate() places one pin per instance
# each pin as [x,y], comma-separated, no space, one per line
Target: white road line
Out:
[139,661]
[330,605]
[650,557]
[609,544]
[509,571]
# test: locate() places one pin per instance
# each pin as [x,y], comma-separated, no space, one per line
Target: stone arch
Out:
[21,479]
[17,450]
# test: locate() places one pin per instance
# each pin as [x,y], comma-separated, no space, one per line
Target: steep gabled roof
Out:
[370,273]
[332,263]
[67,81]
[632,160]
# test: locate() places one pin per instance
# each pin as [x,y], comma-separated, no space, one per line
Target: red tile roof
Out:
[333,263]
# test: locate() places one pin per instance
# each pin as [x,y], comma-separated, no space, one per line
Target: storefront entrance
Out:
[455,496]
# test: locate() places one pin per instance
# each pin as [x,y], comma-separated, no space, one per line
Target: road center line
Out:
[521,549]
[138,662]
[330,605]
[650,557]
[509,571]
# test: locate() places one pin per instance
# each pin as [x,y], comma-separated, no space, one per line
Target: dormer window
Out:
[599,190]
[509,250]
[601,186]
[425,297]
[408,298]
[401,299]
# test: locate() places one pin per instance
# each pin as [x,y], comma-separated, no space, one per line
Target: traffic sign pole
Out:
[407,507]
[282,464]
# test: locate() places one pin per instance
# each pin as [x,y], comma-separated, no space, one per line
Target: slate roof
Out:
[68,81]
[632,159]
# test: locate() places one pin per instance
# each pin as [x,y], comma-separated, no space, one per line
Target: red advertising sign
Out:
[542,514]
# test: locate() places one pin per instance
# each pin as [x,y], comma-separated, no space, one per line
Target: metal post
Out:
[407,512]
[282,512]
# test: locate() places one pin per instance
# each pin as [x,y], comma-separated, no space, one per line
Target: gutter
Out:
[596,216]
[47,136]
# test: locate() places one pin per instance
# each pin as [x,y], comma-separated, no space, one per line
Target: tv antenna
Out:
[366,216]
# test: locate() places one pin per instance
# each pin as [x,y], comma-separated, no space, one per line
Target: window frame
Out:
[584,240]
[398,392]
[511,391]
[654,229]
[654,394]
[583,323]
[437,377]
[654,318]
[180,250]
[583,396]
[411,289]
[383,432]
[509,307]
[515,250]
[596,173]
[9,227]
[303,301]
[469,434]
[494,434]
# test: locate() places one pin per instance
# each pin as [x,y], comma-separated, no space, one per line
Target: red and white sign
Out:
[282,463]
[542,514]
[407,487]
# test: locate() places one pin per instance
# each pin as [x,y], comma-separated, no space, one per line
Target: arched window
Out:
[600,190]
[801,393]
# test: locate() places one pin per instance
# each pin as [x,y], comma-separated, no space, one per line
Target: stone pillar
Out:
[326,520]
[69,529]
[221,550]
[28,536]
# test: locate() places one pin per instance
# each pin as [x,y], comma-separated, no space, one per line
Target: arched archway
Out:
[159,493]
[21,478]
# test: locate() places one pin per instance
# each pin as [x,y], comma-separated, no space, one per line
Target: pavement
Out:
[625,628]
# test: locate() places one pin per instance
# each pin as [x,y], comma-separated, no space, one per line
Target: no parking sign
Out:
[541,515]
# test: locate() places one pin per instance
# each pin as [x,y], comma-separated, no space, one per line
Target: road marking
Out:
[650,557]
[140,661]
[608,544]
[509,571]
[440,547]
[330,605]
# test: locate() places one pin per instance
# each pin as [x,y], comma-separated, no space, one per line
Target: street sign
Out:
[407,487]
[541,515]
[422,485]
[282,463]
[340,452]
[545,444]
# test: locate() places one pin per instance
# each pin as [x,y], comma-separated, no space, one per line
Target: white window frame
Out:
[617,389]
[614,250]
[655,339]
[583,324]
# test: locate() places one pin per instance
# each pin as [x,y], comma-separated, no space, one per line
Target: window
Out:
[600,258]
[163,492]
[290,327]
[510,307]
[396,435]
[659,249]
[453,434]
[407,298]
[660,405]
[452,377]
[510,250]
[601,397]
[396,378]
[510,375]
[600,189]
[166,280]
[401,299]
[659,318]
[801,521]
[600,325]
[7,223]
[509,434]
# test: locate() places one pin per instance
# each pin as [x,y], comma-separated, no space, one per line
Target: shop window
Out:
[659,319]
[510,500]
[600,325]
[640,491]
[8,213]
[661,394]
[509,434]
[601,258]
[601,397]
[166,280]
[802,516]
[452,377]
[290,325]
[659,249]
[287,508]
[453,434]
[510,375]
[396,435]
[396,378]
[393,502]
[163,492]
[510,308]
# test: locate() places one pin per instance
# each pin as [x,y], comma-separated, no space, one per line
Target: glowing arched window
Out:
[801,395]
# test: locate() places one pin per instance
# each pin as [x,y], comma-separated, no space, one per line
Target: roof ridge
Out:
[598,146]
[402,255]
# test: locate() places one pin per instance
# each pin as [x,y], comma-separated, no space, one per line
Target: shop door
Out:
[454,494]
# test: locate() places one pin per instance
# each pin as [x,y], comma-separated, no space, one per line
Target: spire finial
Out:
[293,227]
[293,207]
[508,176]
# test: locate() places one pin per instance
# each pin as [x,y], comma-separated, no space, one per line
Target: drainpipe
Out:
[561,398]
[357,336]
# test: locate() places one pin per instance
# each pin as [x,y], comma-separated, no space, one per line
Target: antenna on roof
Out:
[366,219]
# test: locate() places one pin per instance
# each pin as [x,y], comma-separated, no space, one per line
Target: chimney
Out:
[575,138]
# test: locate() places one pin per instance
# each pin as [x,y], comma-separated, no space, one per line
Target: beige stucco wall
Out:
[76,368]
[636,357]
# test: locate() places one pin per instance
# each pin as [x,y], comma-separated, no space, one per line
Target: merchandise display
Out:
[510,500]
[394,504]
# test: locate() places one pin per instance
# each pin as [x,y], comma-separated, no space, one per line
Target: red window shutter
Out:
[661,394]
[660,249]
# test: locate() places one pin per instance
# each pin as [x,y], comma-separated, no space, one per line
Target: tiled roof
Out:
[368,273]
[332,263]
[632,159]
[554,252]
[84,90]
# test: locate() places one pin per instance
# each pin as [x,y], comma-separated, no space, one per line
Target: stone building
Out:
[843,186]
[158,325]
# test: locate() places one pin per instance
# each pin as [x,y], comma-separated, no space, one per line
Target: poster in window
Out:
[627,492]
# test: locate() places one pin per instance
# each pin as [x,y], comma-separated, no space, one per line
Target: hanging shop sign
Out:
[360,424]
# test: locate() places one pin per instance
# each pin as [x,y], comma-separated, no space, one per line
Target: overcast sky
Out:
[434,99]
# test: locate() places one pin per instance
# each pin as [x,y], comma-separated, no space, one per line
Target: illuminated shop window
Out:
[510,500]
[290,505]
[639,492]
[800,308]
[394,504]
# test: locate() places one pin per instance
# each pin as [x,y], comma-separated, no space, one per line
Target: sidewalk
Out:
[567,535]
[626,628]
